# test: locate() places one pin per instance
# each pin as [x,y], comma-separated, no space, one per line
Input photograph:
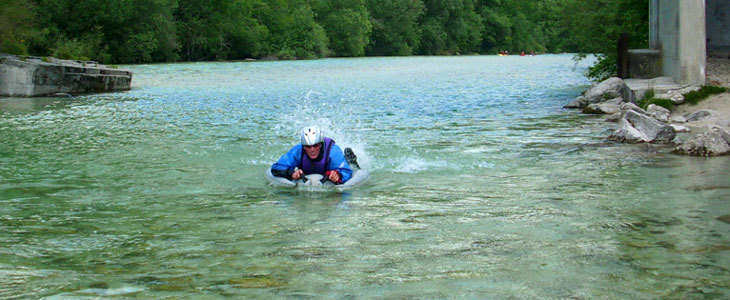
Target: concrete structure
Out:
[718,28]
[35,76]
[677,29]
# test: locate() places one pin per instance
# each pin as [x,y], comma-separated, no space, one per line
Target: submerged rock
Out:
[724,219]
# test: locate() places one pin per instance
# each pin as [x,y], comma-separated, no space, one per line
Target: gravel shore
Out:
[718,73]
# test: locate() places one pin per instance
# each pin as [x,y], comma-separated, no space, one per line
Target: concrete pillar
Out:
[654,25]
[681,38]
[692,42]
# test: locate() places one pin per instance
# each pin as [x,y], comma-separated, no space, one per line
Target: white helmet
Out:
[312,135]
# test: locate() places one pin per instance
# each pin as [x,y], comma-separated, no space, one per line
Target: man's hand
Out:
[333,176]
[297,174]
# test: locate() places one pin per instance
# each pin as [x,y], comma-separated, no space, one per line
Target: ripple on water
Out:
[481,184]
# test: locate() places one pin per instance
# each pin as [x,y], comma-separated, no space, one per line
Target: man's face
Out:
[313,151]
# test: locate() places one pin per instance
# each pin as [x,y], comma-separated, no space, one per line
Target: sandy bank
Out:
[718,73]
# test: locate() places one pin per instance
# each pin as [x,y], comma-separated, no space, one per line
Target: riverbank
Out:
[695,129]
[718,73]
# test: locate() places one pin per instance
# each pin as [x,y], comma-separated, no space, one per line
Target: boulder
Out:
[628,106]
[711,143]
[627,133]
[678,119]
[606,90]
[579,102]
[635,127]
[680,128]
[699,115]
[658,112]
[614,117]
[725,135]
[602,108]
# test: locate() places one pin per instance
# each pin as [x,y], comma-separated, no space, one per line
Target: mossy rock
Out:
[256,281]
[724,219]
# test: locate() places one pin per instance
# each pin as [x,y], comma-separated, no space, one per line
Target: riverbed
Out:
[481,186]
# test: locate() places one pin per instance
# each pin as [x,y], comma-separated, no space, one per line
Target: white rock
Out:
[637,127]
[658,112]
[680,128]
[606,90]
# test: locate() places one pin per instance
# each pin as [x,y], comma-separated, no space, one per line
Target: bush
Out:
[649,99]
[13,46]
[666,103]
[72,49]
[705,91]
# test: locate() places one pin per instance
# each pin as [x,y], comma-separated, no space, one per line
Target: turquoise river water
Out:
[481,186]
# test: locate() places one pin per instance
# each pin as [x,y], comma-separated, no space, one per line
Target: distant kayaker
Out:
[316,154]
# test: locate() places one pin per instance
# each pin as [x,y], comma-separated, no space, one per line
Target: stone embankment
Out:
[699,130]
[36,76]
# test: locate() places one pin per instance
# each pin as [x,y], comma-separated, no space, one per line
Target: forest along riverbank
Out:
[701,129]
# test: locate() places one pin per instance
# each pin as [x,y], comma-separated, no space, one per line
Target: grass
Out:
[693,97]
[705,91]
[649,99]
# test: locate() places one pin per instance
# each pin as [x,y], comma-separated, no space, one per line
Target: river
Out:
[481,186]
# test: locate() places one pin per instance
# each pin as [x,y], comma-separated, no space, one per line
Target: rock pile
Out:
[655,124]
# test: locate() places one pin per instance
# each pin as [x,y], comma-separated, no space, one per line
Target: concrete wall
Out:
[680,35]
[34,76]
[718,27]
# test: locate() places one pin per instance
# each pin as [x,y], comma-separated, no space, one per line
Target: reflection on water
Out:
[481,186]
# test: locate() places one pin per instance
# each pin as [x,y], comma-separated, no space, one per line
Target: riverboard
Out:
[313,182]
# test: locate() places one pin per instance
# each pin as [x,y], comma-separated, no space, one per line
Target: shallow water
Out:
[481,187]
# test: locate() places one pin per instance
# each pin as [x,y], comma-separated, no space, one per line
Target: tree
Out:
[596,26]
[450,27]
[16,26]
[395,26]
[294,33]
[347,24]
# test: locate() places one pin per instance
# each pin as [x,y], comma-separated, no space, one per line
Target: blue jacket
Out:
[293,159]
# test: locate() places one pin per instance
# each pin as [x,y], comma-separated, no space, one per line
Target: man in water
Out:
[315,155]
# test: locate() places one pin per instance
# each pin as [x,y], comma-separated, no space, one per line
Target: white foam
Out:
[417,164]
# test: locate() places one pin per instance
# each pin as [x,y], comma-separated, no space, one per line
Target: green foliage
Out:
[13,46]
[666,103]
[16,26]
[294,31]
[347,24]
[72,49]
[395,28]
[649,99]
[597,26]
[705,91]
[139,31]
